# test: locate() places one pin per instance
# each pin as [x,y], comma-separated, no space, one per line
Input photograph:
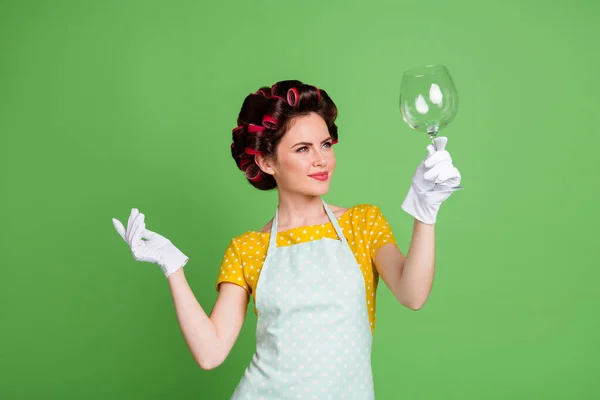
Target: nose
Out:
[320,160]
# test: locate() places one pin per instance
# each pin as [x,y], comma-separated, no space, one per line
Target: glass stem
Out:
[432,132]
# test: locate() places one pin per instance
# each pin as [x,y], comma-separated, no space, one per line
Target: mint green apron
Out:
[313,337]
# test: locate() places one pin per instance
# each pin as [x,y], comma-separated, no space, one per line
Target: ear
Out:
[265,164]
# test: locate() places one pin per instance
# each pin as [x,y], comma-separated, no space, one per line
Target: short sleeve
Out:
[231,268]
[379,232]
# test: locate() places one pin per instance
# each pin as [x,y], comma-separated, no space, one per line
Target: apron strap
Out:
[334,222]
[273,238]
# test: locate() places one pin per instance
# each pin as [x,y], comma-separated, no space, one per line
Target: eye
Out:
[302,149]
[327,144]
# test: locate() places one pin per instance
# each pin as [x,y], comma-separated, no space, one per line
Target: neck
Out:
[297,210]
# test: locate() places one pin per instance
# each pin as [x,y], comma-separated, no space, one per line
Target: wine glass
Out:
[428,102]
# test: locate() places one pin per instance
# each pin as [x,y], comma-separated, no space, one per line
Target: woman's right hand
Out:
[149,246]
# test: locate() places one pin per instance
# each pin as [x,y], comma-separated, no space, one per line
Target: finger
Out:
[131,228]
[430,150]
[136,235]
[451,175]
[440,143]
[132,215]
[449,182]
[119,227]
[438,157]
[452,181]
[134,224]
[436,170]
[138,228]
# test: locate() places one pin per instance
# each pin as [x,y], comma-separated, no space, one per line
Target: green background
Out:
[110,105]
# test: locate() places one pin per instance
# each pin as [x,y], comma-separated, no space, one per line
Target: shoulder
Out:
[245,239]
[358,214]
[339,211]
[357,209]
[364,219]
[364,209]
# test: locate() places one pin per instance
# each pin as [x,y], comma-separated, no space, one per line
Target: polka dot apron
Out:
[313,339]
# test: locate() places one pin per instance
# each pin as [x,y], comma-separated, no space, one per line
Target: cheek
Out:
[295,165]
[331,160]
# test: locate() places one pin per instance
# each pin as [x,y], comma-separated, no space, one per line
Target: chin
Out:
[320,193]
[319,190]
[311,190]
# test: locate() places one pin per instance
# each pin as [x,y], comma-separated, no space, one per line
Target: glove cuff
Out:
[171,260]
[417,206]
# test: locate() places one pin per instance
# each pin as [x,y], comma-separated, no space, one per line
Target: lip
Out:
[321,176]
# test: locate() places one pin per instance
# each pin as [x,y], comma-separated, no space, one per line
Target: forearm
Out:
[418,269]
[198,330]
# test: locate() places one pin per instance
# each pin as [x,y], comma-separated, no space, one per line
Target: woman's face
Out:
[305,158]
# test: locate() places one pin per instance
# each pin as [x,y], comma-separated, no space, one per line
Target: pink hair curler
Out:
[255,128]
[334,141]
[251,128]
[293,96]
[256,177]
[318,93]
[252,152]
[269,122]
[261,92]
[244,162]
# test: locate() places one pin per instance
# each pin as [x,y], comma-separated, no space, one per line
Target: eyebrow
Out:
[310,144]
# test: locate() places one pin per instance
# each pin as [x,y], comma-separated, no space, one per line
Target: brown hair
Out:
[265,117]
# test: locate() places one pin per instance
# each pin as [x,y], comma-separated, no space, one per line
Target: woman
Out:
[318,264]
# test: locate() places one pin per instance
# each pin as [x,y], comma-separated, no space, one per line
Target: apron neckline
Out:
[330,215]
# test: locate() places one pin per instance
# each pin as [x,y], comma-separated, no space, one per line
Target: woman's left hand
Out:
[435,169]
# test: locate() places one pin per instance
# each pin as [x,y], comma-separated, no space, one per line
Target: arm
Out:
[410,278]
[209,339]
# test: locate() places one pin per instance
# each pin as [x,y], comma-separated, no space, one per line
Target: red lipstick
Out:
[321,176]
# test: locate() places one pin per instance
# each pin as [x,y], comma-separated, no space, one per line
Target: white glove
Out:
[435,169]
[149,246]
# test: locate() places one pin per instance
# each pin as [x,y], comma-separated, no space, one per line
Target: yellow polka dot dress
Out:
[364,227]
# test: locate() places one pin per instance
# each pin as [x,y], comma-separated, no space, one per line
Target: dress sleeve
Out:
[231,268]
[379,231]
